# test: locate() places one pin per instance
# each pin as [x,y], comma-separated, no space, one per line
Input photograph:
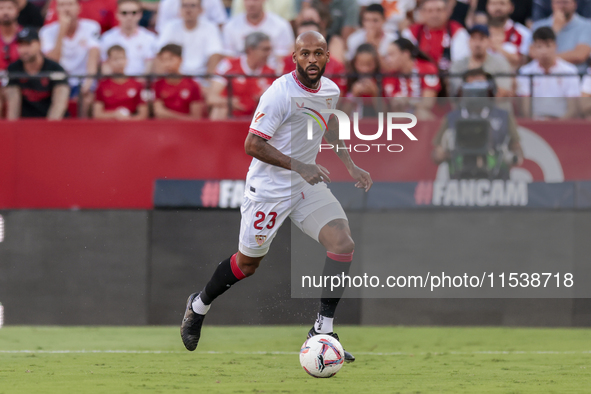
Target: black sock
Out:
[335,265]
[226,274]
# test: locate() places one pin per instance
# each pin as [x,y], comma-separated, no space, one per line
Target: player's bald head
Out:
[311,39]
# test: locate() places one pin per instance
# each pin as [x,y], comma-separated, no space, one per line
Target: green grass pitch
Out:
[265,360]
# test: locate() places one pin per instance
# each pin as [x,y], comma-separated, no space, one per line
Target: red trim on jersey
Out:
[342,257]
[235,269]
[256,132]
[301,85]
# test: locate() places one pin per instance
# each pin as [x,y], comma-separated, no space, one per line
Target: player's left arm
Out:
[331,136]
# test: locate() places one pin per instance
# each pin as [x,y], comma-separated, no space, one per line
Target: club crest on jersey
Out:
[329,103]
[258,116]
[260,239]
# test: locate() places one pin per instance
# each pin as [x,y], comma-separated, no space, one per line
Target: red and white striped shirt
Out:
[517,38]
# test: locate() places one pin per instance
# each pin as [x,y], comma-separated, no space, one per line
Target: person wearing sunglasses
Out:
[139,43]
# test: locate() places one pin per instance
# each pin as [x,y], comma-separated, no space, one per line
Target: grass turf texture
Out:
[241,360]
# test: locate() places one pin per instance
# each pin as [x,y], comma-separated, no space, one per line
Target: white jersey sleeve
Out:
[271,112]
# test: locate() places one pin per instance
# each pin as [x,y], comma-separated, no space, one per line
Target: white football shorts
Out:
[310,210]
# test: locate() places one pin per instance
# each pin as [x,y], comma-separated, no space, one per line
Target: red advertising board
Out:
[105,164]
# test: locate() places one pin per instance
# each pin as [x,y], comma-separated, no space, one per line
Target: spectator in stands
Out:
[480,57]
[29,14]
[320,14]
[543,8]
[417,78]
[508,38]
[372,32]
[284,8]
[101,11]
[365,65]
[362,86]
[334,69]
[138,42]
[344,15]
[245,91]
[73,42]
[8,31]
[396,12]
[521,13]
[442,40]
[176,97]
[169,10]
[573,33]
[560,88]
[119,97]
[36,97]
[199,38]
[257,19]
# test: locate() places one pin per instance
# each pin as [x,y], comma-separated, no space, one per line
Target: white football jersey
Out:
[282,118]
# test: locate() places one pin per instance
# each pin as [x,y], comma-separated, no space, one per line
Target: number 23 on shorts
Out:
[260,215]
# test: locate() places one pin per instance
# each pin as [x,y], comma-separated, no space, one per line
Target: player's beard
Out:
[306,78]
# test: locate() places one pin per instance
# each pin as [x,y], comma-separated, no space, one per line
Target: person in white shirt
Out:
[372,21]
[73,43]
[284,8]
[200,39]
[169,10]
[562,89]
[139,43]
[257,19]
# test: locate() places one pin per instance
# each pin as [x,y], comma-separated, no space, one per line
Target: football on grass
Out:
[322,356]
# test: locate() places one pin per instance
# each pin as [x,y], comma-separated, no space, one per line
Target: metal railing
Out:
[151,78]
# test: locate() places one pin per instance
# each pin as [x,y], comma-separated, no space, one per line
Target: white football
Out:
[322,356]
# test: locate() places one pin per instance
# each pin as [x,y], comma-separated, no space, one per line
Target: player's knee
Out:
[248,266]
[344,244]
[249,269]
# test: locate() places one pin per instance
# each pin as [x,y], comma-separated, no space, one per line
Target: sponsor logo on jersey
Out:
[260,239]
[258,116]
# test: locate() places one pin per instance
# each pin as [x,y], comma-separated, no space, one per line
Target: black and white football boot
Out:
[349,358]
[191,325]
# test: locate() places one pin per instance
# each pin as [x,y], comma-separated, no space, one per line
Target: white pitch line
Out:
[491,352]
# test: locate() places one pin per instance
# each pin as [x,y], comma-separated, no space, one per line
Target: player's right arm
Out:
[271,113]
[258,148]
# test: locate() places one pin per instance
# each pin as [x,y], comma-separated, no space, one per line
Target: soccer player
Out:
[119,97]
[284,181]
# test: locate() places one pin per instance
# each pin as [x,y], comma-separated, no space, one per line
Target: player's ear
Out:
[327,56]
[293,57]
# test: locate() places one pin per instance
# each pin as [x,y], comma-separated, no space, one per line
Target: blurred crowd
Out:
[193,59]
